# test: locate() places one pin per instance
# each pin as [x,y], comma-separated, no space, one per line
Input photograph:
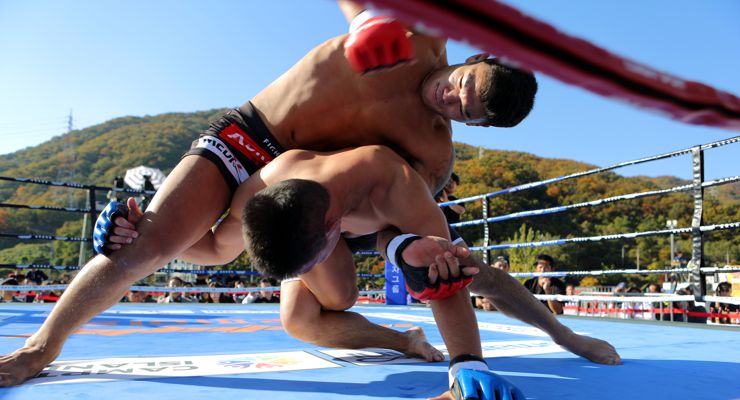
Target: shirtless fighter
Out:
[298,215]
[321,103]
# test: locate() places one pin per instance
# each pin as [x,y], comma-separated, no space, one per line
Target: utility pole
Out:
[672,224]
[623,247]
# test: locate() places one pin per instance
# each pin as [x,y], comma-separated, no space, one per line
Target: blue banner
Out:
[395,286]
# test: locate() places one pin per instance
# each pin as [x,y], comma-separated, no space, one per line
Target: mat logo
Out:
[130,368]
[261,362]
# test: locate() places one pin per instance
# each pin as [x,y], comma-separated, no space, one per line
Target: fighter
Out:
[321,103]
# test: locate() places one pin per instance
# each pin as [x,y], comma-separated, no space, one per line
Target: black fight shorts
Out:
[367,242]
[238,143]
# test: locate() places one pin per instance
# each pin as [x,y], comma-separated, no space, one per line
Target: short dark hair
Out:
[510,96]
[284,226]
[455,178]
[724,287]
[545,257]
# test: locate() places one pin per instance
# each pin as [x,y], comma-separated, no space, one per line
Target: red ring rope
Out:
[525,41]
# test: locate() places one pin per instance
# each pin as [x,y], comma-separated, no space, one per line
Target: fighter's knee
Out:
[341,301]
[296,325]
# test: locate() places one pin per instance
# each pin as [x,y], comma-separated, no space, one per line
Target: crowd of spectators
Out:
[658,309]
[35,277]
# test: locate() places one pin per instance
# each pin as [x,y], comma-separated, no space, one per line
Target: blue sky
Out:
[104,59]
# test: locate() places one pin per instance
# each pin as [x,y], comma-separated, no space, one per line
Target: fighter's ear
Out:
[477,57]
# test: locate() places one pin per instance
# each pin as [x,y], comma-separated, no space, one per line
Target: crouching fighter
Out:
[298,216]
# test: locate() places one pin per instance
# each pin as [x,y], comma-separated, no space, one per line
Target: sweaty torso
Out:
[322,104]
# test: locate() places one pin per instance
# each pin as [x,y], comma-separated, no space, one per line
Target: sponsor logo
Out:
[240,140]
[262,362]
[130,368]
[218,148]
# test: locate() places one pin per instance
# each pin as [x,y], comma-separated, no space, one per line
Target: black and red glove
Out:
[417,278]
[377,42]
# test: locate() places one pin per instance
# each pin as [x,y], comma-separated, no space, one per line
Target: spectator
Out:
[679,260]
[484,304]
[189,297]
[219,297]
[175,297]
[239,297]
[632,309]
[694,313]
[571,306]
[201,280]
[230,280]
[10,296]
[205,297]
[453,211]
[545,285]
[48,296]
[265,296]
[65,279]
[138,296]
[724,310]
[36,275]
[616,307]
[652,288]
[31,295]
[502,263]
[19,276]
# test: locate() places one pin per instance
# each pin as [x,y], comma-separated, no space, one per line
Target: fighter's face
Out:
[455,91]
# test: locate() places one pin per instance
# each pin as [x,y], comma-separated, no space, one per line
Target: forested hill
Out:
[97,154]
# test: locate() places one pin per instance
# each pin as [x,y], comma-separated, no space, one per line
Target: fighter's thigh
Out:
[334,281]
[192,198]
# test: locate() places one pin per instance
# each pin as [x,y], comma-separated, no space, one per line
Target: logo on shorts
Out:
[240,140]
[218,147]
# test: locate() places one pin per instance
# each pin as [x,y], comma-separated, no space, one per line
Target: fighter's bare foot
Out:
[23,364]
[595,350]
[420,348]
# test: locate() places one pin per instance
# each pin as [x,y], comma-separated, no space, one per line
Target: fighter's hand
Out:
[440,255]
[545,283]
[378,42]
[116,226]
[431,266]
[481,385]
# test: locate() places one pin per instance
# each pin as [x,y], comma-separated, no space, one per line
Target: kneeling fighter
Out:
[298,216]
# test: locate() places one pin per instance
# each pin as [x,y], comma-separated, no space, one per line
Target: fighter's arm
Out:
[408,204]
[411,208]
[224,242]
[221,245]
[405,204]
[350,9]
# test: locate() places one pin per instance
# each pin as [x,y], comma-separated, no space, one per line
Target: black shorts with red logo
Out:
[238,143]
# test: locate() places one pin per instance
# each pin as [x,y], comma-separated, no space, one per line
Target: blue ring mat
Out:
[240,351]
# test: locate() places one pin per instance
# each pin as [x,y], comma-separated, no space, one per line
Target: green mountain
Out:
[97,154]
